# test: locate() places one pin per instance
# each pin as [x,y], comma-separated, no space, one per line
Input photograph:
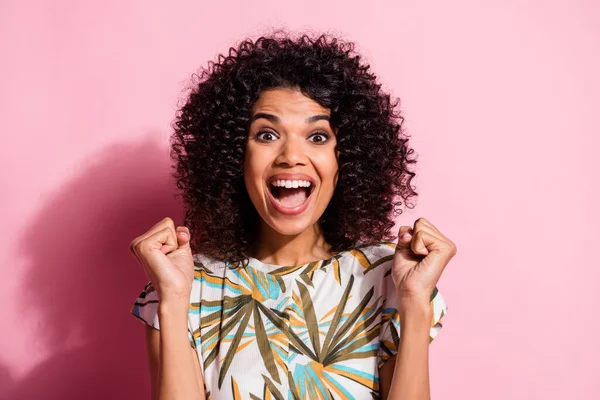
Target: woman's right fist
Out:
[165,253]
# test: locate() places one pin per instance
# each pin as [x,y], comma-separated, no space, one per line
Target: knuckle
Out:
[143,247]
[454,249]
[135,243]
[451,248]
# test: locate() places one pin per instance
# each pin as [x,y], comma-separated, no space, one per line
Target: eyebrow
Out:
[276,119]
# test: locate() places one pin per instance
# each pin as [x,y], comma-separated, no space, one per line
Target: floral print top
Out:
[315,331]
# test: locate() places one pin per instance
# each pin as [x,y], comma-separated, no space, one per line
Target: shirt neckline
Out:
[292,269]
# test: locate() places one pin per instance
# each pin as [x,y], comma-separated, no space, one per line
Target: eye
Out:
[319,137]
[266,136]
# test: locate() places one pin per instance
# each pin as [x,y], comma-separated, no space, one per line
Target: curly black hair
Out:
[211,129]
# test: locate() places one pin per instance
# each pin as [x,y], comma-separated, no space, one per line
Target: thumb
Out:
[183,238]
[404,238]
[403,248]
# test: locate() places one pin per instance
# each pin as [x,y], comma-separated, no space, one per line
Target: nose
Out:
[292,152]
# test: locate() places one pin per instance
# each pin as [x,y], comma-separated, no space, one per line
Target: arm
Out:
[165,253]
[174,365]
[421,255]
[405,376]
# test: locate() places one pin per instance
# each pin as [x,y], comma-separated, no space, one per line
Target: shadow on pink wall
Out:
[82,279]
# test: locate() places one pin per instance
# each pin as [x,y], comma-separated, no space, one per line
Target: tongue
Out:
[291,197]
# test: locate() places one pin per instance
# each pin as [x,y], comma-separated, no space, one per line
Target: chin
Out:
[290,227]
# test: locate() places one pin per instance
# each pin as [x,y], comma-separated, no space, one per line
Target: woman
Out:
[292,164]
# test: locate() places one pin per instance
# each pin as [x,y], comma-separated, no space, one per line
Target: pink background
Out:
[501,99]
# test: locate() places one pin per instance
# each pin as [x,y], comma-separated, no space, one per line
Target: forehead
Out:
[284,101]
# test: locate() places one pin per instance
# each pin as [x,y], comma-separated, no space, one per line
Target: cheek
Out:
[254,170]
[328,169]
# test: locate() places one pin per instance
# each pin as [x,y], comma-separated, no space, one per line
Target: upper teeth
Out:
[290,184]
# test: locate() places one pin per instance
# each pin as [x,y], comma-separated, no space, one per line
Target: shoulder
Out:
[370,258]
[204,263]
[379,250]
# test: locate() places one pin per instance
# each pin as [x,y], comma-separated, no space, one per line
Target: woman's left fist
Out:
[421,256]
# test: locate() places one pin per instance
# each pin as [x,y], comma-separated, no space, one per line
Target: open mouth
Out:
[291,193]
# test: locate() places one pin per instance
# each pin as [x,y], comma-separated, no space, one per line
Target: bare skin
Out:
[166,256]
[283,139]
[289,134]
[421,256]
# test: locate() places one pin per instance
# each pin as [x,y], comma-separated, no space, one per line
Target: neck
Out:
[274,248]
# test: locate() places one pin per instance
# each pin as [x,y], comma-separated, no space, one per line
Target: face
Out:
[290,168]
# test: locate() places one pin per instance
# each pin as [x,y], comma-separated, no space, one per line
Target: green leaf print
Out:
[263,345]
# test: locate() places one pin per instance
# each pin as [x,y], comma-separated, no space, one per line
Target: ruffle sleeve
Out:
[145,308]
[390,321]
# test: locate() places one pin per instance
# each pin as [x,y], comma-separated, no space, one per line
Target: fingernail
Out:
[183,233]
[405,236]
